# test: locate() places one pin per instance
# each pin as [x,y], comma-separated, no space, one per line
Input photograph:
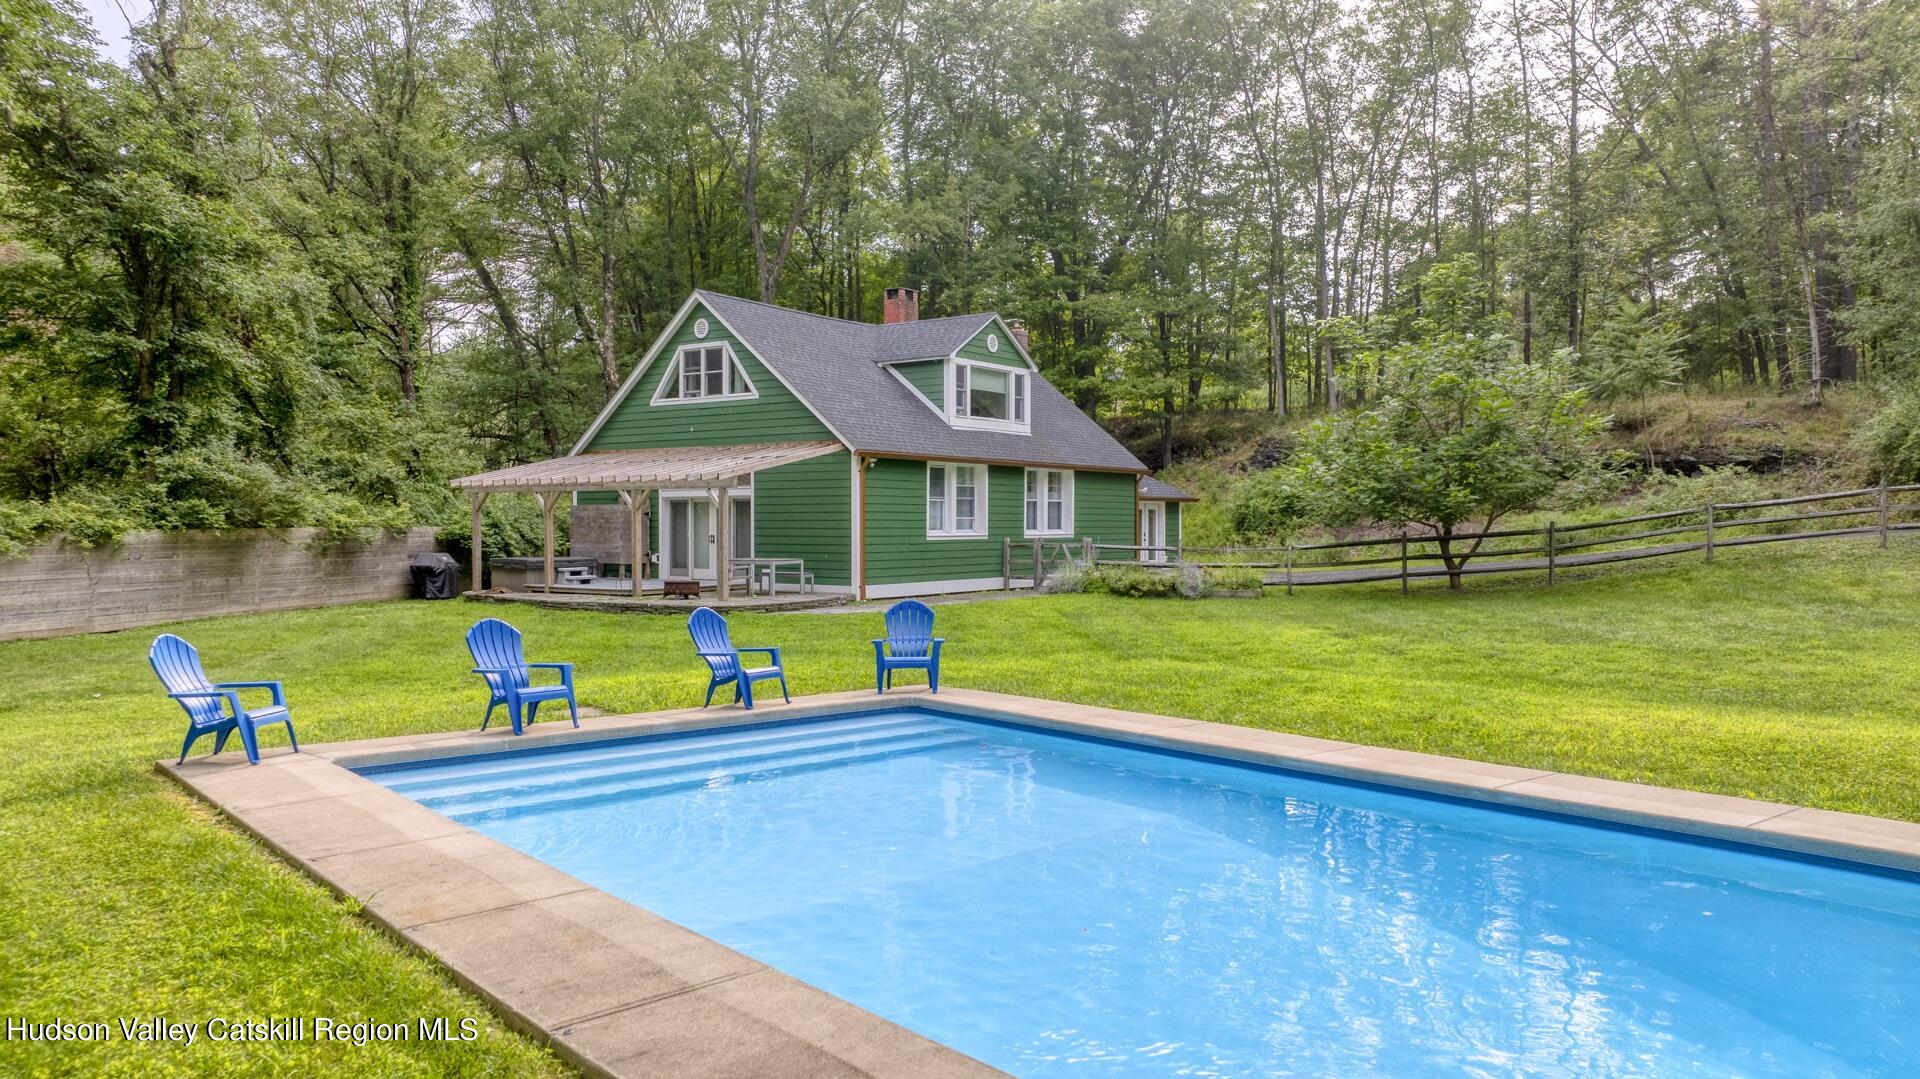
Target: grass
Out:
[1785,674]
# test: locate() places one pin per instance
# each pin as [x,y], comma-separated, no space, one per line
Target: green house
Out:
[901,458]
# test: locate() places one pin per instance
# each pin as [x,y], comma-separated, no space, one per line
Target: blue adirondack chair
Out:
[908,645]
[715,645]
[499,658]
[214,707]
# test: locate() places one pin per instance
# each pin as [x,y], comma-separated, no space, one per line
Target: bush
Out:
[1891,437]
[1135,582]
[1130,581]
[1235,579]
[1069,578]
[90,518]
[1267,506]
[509,525]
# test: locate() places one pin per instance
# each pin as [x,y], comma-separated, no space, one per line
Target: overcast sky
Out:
[110,24]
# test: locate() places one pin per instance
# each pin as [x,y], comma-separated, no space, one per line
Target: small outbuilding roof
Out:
[1156,491]
[631,470]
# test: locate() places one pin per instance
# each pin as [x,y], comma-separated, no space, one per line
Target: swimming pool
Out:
[1057,905]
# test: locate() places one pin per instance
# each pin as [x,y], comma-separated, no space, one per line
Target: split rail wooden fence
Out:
[1410,556]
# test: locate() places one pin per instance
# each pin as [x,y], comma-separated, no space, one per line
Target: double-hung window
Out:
[989,396]
[704,372]
[956,500]
[1049,506]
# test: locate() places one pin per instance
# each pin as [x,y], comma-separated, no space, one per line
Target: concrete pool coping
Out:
[621,991]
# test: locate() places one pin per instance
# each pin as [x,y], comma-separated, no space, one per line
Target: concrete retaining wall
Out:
[61,587]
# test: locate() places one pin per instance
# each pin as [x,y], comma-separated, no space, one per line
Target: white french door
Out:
[1153,531]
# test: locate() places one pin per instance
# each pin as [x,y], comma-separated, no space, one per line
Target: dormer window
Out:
[704,373]
[988,396]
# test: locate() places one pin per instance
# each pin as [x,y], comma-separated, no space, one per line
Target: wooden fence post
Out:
[1289,569]
[1006,563]
[1403,561]
[1039,563]
[1086,551]
[1709,531]
[1552,549]
[1883,511]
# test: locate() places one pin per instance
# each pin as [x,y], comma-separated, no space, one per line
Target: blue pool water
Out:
[1061,906]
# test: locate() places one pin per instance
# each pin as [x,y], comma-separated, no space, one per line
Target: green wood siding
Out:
[805,510]
[899,552]
[929,377]
[775,416]
[1103,506]
[1173,524]
[1008,356]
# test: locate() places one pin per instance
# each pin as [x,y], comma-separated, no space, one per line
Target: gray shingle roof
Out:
[1155,490]
[837,367]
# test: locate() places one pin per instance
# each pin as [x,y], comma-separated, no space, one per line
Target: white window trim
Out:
[964,422]
[979,501]
[672,377]
[1066,505]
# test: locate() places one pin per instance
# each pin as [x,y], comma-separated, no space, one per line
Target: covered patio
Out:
[634,476]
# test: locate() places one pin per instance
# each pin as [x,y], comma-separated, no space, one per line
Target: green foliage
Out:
[1269,506]
[1632,355]
[1890,438]
[1131,581]
[1137,582]
[1461,434]
[90,518]
[1234,579]
[368,252]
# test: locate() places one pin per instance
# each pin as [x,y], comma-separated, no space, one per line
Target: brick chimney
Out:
[902,305]
[1018,328]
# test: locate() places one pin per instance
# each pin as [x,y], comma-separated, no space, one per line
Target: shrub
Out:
[1235,579]
[1130,581]
[1891,437]
[1072,577]
[1267,505]
[1137,582]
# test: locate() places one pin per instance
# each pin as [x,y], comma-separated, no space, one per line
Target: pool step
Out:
[588,760]
[508,791]
[505,785]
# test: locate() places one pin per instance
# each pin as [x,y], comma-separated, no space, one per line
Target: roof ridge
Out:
[783,310]
[838,319]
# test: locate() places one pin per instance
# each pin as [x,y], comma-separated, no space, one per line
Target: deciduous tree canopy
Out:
[300,260]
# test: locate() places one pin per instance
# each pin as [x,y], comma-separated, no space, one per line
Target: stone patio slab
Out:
[768,1024]
[1422,771]
[1894,843]
[1242,743]
[292,777]
[449,876]
[320,828]
[570,958]
[1638,803]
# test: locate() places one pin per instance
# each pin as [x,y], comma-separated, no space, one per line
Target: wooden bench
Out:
[680,589]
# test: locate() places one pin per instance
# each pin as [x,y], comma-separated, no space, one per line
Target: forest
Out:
[301,261]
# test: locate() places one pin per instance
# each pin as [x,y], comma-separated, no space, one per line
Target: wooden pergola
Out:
[634,475]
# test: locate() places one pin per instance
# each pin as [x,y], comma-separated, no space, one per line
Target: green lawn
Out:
[1785,673]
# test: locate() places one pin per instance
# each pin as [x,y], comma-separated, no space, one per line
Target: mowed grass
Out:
[1787,674]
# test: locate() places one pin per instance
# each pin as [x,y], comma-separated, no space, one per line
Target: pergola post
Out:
[637,503]
[548,500]
[722,544]
[479,500]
